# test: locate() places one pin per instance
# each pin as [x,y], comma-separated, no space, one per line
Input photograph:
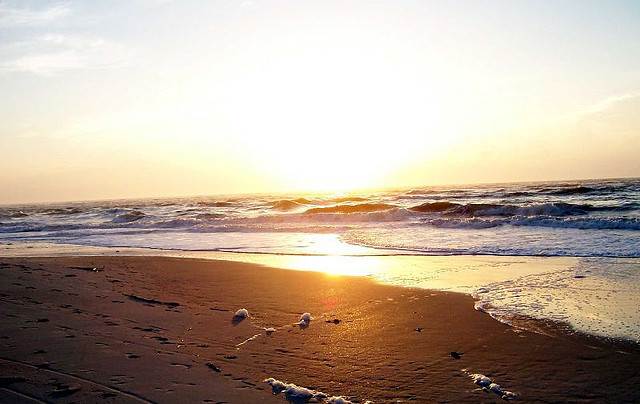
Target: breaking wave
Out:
[578,189]
[128,217]
[215,204]
[357,208]
[579,214]
[434,207]
[490,209]
[546,221]
[287,205]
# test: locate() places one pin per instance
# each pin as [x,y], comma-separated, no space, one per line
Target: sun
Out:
[325,129]
[325,161]
[332,112]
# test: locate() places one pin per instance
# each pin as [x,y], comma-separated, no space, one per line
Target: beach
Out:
[161,329]
[319,202]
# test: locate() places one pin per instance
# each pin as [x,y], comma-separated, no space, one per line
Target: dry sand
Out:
[153,329]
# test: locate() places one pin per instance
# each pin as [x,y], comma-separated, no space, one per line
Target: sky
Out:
[150,98]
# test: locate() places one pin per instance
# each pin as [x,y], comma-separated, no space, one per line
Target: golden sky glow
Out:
[162,98]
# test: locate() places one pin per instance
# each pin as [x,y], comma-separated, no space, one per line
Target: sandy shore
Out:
[153,329]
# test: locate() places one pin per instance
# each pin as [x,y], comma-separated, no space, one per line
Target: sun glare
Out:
[336,117]
[334,264]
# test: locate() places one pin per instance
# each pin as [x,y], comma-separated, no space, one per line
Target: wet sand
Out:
[157,329]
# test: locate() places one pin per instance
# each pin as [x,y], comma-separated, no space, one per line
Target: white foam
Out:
[301,393]
[294,392]
[242,313]
[593,295]
[275,384]
[508,395]
[481,380]
[338,400]
[480,306]
[495,387]
[251,338]
[488,385]
[305,319]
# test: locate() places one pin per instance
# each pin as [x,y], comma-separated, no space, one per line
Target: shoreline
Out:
[512,289]
[174,315]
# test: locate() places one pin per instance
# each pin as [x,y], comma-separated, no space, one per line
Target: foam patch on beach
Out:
[593,295]
[251,338]
[489,385]
[305,320]
[297,393]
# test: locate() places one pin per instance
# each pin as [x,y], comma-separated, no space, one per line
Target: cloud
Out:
[615,117]
[612,123]
[51,53]
[33,42]
[609,103]
[12,16]
[45,65]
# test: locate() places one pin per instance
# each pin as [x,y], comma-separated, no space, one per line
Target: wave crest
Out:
[357,208]
[215,204]
[545,221]
[491,209]
[286,205]
[572,190]
[344,199]
[128,217]
[434,207]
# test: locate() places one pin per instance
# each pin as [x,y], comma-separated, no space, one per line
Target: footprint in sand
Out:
[64,390]
[183,365]
[213,367]
[120,379]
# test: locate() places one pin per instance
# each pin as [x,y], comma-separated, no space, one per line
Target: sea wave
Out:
[572,190]
[479,241]
[127,217]
[353,208]
[596,210]
[286,205]
[215,204]
[435,207]
[70,210]
[344,199]
[544,209]
[546,221]
[495,209]
[12,214]
[210,216]
[580,223]
[8,228]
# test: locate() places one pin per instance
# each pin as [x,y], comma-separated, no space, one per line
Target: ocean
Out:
[590,228]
